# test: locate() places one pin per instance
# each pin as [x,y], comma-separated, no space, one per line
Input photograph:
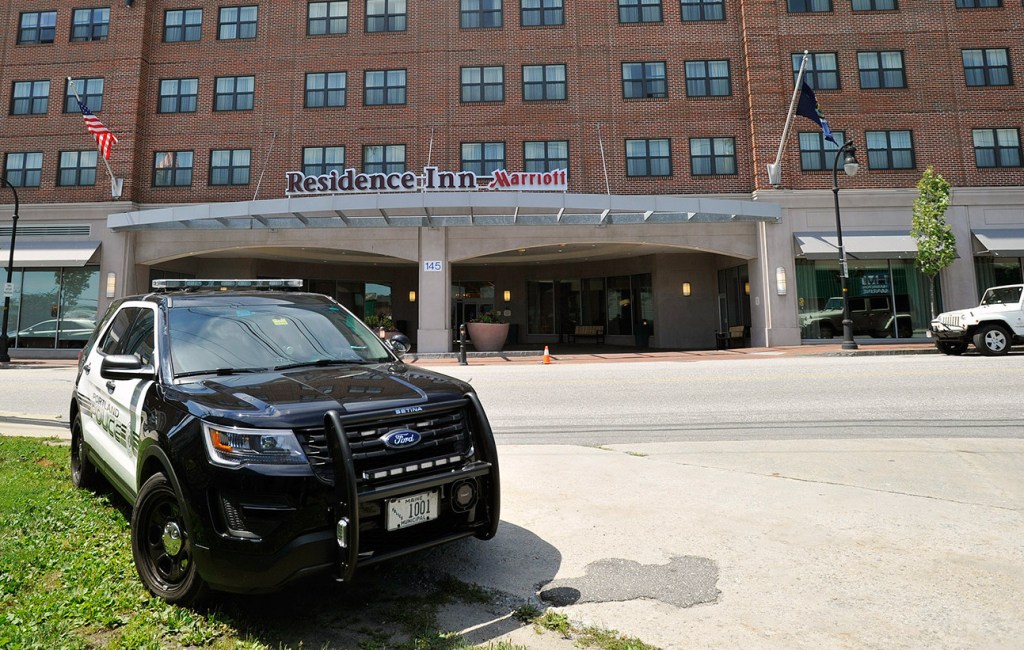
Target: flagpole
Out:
[775,169]
[116,184]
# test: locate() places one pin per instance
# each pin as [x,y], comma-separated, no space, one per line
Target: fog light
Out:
[463,495]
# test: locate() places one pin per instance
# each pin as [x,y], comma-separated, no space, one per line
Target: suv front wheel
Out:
[162,545]
[992,340]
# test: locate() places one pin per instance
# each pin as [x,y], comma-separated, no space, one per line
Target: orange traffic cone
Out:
[547,355]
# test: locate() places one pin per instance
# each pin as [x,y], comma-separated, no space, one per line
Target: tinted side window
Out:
[856,304]
[115,335]
[139,340]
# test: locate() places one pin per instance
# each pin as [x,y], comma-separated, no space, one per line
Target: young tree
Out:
[936,244]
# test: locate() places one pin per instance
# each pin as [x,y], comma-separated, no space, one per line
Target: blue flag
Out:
[808,107]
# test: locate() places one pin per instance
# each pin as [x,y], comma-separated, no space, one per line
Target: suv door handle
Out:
[111,386]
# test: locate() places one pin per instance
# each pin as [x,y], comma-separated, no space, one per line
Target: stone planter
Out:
[487,337]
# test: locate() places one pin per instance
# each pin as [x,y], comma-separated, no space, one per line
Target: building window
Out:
[234,93]
[542,82]
[707,79]
[710,156]
[77,168]
[90,24]
[37,27]
[172,169]
[648,158]
[486,84]
[480,13]
[24,169]
[325,89]
[229,166]
[384,159]
[327,18]
[881,70]
[317,161]
[178,95]
[183,25]
[639,11]
[237,23]
[890,150]
[534,13]
[698,10]
[822,71]
[987,67]
[483,158]
[384,87]
[91,92]
[546,156]
[874,5]
[644,79]
[817,153]
[997,147]
[809,6]
[30,97]
[385,15]
[978,4]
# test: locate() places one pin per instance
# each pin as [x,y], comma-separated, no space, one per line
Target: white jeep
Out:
[993,326]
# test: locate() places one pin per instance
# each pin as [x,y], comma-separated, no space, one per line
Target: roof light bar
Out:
[168,284]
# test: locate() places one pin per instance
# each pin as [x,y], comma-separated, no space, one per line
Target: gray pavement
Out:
[838,543]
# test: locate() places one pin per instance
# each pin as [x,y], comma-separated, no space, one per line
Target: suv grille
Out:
[445,440]
[950,321]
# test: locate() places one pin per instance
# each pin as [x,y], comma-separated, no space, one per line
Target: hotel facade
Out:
[562,162]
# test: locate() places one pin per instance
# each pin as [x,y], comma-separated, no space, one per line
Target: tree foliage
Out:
[936,244]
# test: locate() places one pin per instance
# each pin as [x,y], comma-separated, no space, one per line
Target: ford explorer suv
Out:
[995,325]
[262,435]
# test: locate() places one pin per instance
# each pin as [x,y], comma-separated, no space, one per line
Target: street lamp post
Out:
[850,166]
[4,342]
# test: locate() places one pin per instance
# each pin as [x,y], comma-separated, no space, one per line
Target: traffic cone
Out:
[547,355]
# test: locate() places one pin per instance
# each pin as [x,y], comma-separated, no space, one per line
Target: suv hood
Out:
[974,312]
[299,397]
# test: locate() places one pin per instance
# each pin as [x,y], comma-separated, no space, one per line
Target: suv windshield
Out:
[1001,296]
[245,338]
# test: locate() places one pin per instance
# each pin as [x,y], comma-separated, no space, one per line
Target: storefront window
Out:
[470,299]
[540,297]
[619,305]
[994,272]
[55,307]
[888,298]
[376,300]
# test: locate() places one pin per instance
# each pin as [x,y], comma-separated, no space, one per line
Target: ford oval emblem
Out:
[401,438]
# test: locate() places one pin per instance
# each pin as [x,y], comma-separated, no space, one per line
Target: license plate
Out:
[412,510]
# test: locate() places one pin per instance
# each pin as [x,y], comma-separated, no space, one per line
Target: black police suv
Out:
[263,434]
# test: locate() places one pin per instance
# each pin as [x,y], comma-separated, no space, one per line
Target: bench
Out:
[587,331]
[729,338]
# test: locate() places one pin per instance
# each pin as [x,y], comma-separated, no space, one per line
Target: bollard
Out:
[462,345]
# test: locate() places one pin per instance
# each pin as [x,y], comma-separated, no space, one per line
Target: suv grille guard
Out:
[345,487]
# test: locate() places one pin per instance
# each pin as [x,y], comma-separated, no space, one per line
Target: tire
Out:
[162,545]
[83,472]
[992,340]
[826,331]
[954,348]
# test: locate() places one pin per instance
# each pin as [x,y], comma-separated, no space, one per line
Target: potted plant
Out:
[488,331]
[382,324]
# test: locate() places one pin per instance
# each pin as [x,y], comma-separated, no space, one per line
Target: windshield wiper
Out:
[220,371]
[321,363]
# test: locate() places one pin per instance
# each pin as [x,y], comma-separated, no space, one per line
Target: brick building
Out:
[664,114]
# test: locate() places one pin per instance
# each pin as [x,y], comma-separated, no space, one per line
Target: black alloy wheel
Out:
[161,544]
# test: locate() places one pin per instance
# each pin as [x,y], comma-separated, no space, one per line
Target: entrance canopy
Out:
[860,245]
[434,209]
[35,254]
[1003,243]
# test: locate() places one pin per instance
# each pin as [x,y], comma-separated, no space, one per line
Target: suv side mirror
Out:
[125,366]
[401,344]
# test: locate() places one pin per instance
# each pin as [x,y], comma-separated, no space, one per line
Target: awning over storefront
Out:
[35,254]
[1008,242]
[433,209]
[860,245]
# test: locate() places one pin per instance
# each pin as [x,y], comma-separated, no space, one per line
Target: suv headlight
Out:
[233,447]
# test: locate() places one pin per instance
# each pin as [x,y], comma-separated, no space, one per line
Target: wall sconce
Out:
[746,288]
[686,289]
[780,281]
[508,295]
[111,284]
[412,296]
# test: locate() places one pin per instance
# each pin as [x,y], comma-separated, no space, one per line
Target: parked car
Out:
[995,325]
[871,315]
[262,435]
[73,333]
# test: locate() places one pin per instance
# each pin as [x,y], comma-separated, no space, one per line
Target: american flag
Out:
[104,138]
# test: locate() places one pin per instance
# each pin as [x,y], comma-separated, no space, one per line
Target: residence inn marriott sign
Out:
[431,179]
